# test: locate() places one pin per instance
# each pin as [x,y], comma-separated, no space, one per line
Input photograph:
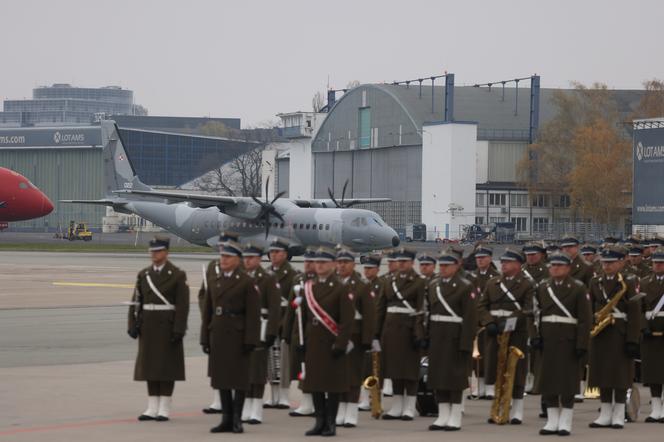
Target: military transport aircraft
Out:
[199,218]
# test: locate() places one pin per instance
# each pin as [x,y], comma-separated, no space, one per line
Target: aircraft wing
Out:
[347,202]
[102,202]
[196,200]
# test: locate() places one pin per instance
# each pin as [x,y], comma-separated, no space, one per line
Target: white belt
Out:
[557,319]
[396,309]
[264,311]
[651,315]
[619,315]
[501,313]
[445,318]
[358,315]
[158,307]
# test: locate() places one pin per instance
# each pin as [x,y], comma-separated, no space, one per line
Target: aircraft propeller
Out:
[267,208]
[341,204]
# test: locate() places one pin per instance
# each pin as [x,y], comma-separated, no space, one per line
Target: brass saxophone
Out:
[508,358]
[372,383]
[604,317]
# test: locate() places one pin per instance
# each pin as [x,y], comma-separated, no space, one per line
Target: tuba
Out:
[372,383]
[604,317]
[508,358]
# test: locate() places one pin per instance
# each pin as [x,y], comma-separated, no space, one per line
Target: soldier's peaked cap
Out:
[635,250]
[372,260]
[450,255]
[656,242]
[588,249]
[569,241]
[227,235]
[483,250]
[560,258]
[612,252]
[278,244]
[309,254]
[534,247]
[405,254]
[391,255]
[658,255]
[159,243]
[426,258]
[252,250]
[324,254]
[230,248]
[344,254]
[512,255]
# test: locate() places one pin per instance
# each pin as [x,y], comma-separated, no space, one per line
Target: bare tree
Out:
[240,177]
[317,102]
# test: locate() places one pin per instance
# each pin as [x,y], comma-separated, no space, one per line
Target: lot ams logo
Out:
[59,138]
[649,152]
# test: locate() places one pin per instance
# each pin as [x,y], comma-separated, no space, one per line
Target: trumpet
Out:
[372,383]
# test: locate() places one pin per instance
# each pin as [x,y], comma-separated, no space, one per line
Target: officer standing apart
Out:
[403,334]
[158,319]
[284,273]
[564,337]
[270,304]
[327,310]
[508,296]
[452,327]
[230,330]
[484,271]
[614,349]
[362,337]
[652,345]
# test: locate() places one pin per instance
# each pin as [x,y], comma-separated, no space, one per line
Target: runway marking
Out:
[76,425]
[94,284]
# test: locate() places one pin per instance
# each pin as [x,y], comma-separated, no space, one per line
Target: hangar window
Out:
[364,127]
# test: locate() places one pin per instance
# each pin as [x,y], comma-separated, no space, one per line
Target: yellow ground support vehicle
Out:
[78,231]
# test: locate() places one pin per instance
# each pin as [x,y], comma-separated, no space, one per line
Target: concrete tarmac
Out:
[66,367]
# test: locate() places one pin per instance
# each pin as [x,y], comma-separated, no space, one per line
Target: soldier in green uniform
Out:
[291,333]
[652,344]
[392,268]
[427,267]
[563,339]
[158,319]
[589,255]
[649,248]
[580,269]
[485,270]
[402,337]
[230,331]
[270,304]
[452,326]
[326,306]
[363,334]
[508,296]
[614,349]
[284,273]
[213,266]
[637,266]
[370,268]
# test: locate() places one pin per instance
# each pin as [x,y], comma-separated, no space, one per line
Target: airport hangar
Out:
[65,162]
[446,155]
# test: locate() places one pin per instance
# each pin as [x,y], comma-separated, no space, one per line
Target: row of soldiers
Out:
[322,325]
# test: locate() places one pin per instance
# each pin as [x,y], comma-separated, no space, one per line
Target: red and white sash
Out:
[321,315]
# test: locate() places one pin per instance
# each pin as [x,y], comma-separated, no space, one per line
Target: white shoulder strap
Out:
[400,296]
[510,295]
[155,290]
[557,301]
[447,307]
[657,308]
[205,277]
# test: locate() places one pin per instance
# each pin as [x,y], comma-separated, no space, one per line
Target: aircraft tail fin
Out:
[119,173]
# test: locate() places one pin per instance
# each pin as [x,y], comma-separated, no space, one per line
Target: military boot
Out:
[331,410]
[226,425]
[319,413]
[238,404]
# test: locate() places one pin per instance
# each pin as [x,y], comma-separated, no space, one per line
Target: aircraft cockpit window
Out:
[22,185]
[377,222]
[364,221]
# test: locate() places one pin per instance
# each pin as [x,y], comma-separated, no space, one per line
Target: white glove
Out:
[350,347]
[375,346]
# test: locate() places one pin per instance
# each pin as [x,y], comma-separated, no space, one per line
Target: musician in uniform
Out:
[402,340]
[326,306]
[650,247]
[270,305]
[615,347]
[291,333]
[452,326]
[637,266]
[370,268]
[580,269]
[363,334]
[508,296]
[427,267]
[213,266]
[392,268]
[158,319]
[589,255]
[563,339]
[652,344]
[230,331]
[284,273]
[485,270]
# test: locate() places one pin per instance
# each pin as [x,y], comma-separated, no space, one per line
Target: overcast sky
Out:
[253,59]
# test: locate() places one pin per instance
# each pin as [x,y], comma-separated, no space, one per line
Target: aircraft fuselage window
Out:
[308,226]
[301,226]
[327,227]
[313,226]
[320,227]
[282,225]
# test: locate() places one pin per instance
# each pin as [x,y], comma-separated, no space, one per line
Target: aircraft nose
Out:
[395,241]
[47,205]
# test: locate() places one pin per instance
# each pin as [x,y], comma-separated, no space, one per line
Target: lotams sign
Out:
[63,137]
[648,191]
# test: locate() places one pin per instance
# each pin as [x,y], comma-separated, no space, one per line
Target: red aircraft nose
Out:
[47,205]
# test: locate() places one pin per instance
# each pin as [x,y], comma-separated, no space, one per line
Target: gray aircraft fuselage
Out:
[362,230]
